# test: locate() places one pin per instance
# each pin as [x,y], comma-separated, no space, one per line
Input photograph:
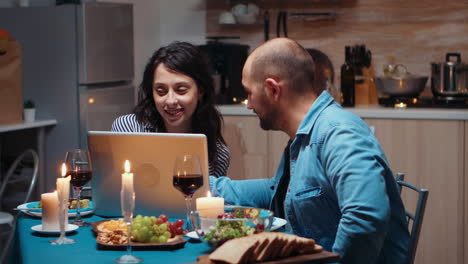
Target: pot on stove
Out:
[450,78]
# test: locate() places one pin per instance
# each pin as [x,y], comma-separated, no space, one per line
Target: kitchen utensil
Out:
[266,25]
[410,85]
[281,19]
[450,78]
[226,18]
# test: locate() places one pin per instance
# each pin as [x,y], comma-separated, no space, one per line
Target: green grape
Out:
[136,225]
[162,239]
[167,234]
[154,239]
[162,228]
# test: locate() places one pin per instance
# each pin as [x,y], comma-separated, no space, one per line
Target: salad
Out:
[234,223]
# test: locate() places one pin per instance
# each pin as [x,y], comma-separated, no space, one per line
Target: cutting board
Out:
[322,257]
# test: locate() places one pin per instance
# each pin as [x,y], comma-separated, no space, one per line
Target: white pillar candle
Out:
[210,207]
[50,210]
[127,179]
[63,192]
[127,198]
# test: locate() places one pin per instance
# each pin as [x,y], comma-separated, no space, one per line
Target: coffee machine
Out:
[227,60]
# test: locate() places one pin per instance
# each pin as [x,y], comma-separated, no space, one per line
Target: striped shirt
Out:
[129,123]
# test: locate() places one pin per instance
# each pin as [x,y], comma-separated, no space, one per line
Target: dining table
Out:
[33,247]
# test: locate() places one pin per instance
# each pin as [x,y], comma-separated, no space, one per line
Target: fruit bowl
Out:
[237,221]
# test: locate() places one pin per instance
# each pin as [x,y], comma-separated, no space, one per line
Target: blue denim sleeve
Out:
[255,193]
[356,166]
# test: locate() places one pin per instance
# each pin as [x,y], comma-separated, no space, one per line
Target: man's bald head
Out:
[287,60]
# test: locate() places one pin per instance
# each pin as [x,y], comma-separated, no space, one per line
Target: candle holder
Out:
[127,204]
[63,240]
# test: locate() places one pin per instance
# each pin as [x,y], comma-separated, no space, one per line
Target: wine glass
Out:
[188,178]
[79,167]
[127,205]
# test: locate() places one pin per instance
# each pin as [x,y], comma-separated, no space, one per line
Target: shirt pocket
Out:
[317,215]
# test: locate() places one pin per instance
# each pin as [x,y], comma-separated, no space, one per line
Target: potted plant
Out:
[29,111]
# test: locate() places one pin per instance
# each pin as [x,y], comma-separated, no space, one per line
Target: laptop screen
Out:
[152,157]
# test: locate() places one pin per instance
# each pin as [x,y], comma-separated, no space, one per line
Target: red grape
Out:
[159,221]
[179,223]
[163,217]
[179,230]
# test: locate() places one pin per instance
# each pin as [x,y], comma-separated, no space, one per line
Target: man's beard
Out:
[267,121]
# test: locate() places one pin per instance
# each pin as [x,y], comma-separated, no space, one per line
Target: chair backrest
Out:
[14,166]
[417,217]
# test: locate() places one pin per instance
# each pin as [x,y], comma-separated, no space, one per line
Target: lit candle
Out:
[127,198]
[127,179]
[400,105]
[50,211]
[63,192]
[210,207]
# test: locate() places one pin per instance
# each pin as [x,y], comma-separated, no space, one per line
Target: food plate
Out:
[277,223]
[173,243]
[38,228]
[32,210]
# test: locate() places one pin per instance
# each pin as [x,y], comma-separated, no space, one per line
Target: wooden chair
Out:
[7,218]
[415,218]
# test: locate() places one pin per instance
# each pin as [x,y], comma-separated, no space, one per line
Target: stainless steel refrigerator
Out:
[77,65]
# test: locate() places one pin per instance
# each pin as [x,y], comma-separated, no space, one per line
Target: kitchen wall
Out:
[416,32]
[160,22]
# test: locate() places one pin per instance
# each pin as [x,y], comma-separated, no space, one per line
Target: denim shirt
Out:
[341,192]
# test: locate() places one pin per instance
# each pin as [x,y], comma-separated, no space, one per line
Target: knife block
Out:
[365,89]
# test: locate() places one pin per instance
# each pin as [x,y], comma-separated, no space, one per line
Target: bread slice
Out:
[236,250]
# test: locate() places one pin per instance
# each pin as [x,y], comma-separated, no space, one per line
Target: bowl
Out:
[410,85]
[237,221]
[249,18]
[226,18]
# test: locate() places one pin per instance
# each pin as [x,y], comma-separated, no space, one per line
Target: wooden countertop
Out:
[373,111]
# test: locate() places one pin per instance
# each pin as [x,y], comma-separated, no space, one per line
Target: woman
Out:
[177,96]
[325,70]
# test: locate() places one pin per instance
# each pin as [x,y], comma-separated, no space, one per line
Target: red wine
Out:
[79,178]
[189,184]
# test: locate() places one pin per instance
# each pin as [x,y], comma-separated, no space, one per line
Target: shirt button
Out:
[272,187]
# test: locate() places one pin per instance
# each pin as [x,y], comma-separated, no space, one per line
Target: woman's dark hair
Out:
[323,66]
[189,60]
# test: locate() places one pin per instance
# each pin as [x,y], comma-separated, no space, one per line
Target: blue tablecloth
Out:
[31,247]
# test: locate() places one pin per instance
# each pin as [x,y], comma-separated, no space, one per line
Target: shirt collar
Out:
[322,102]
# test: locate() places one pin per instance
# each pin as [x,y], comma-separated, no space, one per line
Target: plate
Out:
[30,209]
[173,243]
[277,223]
[38,228]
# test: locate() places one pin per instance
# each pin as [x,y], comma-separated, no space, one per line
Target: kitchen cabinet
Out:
[247,143]
[255,153]
[432,154]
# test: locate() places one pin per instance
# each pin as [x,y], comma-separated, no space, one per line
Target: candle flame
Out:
[127,166]
[208,194]
[64,169]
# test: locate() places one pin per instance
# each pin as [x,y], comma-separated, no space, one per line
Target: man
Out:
[333,183]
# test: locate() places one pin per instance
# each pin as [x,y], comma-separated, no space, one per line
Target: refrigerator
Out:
[78,66]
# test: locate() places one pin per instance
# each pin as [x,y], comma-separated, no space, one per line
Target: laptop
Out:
[152,157]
